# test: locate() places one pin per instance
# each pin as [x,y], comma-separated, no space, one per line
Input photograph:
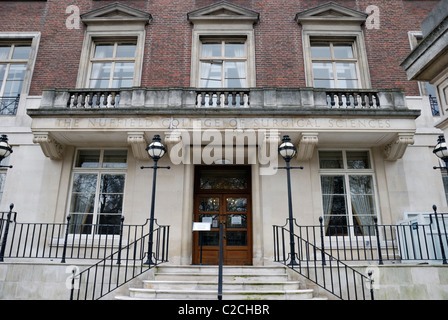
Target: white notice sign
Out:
[201,226]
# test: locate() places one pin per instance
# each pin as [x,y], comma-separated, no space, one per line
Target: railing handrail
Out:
[334,287]
[105,267]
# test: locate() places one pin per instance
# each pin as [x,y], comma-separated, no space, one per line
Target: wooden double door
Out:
[221,197]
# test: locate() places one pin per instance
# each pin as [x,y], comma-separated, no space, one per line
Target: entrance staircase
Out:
[239,283]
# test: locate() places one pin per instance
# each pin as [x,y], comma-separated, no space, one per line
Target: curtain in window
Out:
[362,202]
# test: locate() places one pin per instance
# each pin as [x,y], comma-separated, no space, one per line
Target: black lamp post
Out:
[156,150]
[441,151]
[287,150]
[5,149]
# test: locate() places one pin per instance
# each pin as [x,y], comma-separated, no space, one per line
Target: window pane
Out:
[234,50]
[84,183]
[331,160]
[88,159]
[346,71]
[101,70]
[235,69]
[115,158]
[81,223]
[12,88]
[112,183]
[322,70]
[343,51]
[4,52]
[348,84]
[320,51]
[21,52]
[124,70]
[2,72]
[110,203]
[332,185]
[108,224]
[211,50]
[16,72]
[324,84]
[126,51]
[104,51]
[361,184]
[358,160]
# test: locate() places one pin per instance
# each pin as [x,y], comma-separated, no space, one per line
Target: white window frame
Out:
[99,171]
[346,173]
[112,60]
[223,59]
[333,60]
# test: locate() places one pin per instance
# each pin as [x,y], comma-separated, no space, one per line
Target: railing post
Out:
[378,245]
[120,240]
[66,239]
[220,260]
[434,207]
[5,234]
[322,239]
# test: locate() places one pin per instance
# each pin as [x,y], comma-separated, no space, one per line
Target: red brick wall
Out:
[279,57]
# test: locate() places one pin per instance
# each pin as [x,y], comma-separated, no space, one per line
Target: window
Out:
[112,51]
[98,182]
[112,65]
[223,47]
[334,65]
[223,64]
[13,65]
[334,49]
[348,192]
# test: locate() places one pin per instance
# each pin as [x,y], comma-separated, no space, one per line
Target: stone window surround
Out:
[34,39]
[236,22]
[115,22]
[321,23]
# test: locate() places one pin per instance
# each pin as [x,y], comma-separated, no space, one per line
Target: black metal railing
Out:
[8,105]
[64,240]
[434,106]
[123,265]
[318,266]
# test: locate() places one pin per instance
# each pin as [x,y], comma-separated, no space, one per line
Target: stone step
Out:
[153,294]
[213,285]
[239,283]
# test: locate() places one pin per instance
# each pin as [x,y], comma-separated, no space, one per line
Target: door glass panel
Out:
[236,238]
[224,180]
[236,221]
[213,219]
[209,238]
[236,204]
[208,204]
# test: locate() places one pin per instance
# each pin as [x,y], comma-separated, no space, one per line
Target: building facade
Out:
[87,84]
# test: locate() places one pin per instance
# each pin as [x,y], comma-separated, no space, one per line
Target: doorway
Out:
[222,196]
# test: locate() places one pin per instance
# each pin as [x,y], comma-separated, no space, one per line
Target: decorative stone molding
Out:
[50,146]
[396,149]
[138,143]
[306,145]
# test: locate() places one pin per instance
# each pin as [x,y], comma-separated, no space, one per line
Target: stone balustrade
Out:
[251,98]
